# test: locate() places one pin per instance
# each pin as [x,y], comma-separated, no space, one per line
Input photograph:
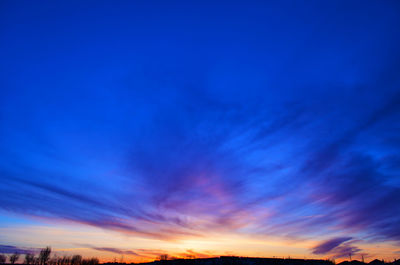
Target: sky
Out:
[131,129]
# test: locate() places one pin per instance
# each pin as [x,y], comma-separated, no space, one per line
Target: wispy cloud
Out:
[336,248]
[116,250]
[6,249]
[327,246]
[151,253]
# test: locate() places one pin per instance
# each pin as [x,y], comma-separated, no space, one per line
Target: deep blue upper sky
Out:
[175,119]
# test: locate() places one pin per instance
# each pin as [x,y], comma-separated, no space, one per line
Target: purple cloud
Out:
[116,251]
[346,250]
[330,244]
[7,249]
[336,248]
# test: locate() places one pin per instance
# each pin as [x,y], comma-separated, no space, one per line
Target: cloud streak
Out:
[327,246]
[7,249]
[116,251]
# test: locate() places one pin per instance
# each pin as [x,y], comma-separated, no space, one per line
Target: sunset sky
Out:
[131,129]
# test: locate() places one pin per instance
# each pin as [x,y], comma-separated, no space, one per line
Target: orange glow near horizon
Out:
[109,246]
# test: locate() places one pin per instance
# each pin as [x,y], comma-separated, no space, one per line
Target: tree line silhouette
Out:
[44,258]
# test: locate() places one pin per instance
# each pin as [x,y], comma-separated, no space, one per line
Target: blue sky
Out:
[271,122]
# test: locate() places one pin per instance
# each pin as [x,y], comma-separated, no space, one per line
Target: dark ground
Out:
[258,261]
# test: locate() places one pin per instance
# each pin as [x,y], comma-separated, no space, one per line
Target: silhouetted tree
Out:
[3,259]
[66,260]
[14,257]
[36,261]
[29,258]
[60,261]
[76,260]
[92,261]
[163,257]
[44,255]
[53,260]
